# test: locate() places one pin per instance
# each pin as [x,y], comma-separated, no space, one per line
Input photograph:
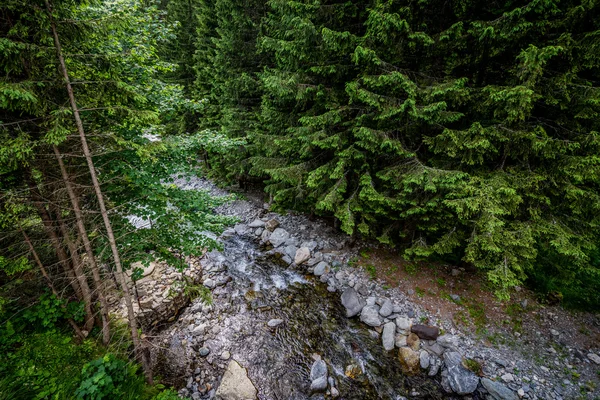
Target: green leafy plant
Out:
[101,378]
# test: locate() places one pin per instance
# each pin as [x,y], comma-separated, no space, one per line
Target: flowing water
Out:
[279,359]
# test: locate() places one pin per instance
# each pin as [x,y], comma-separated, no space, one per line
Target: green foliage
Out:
[457,130]
[102,377]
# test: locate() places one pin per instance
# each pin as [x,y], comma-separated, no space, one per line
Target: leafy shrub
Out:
[102,378]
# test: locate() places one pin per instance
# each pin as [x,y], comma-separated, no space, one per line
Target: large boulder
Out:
[497,390]
[235,384]
[461,380]
[352,302]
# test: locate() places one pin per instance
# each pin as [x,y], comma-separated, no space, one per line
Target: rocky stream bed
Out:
[290,319]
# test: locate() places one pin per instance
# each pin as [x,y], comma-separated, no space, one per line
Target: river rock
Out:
[235,384]
[274,322]
[387,337]
[409,361]
[265,235]
[426,332]
[318,370]
[352,302]
[424,359]
[321,268]
[461,380]
[257,223]
[498,391]
[271,224]
[290,251]
[278,237]
[370,316]
[302,254]
[403,324]
[594,357]
[386,308]
[319,384]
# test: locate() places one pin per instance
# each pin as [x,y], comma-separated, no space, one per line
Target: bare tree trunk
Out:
[111,237]
[78,331]
[78,266]
[98,283]
[63,258]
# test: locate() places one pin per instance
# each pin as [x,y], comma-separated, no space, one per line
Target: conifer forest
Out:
[433,135]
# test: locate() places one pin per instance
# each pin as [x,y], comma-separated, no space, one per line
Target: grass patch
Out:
[371,270]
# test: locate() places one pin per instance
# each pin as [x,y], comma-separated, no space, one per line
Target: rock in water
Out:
[302,254]
[352,302]
[370,316]
[388,336]
[426,332]
[235,384]
[409,361]
[498,391]
[278,237]
[318,370]
[461,380]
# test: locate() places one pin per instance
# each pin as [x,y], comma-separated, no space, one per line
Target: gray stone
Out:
[461,380]
[278,237]
[271,224]
[258,231]
[241,229]
[319,385]
[386,308]
[235,384]
[387,337]
[424,359]
[311,245]
[497,390]
[257,223]
[210,283]
[334,393]
[204,351]
[435,364]
[302,255]
[594,357]
[199,330]
[448,341]
[455,298]
[265,235]
[403,324]
[371,301]
[352,302]
[225,355]
[290,251]
[318,370]
[370,316]
[321,268]
[274,322]
[434,348]
[401,341]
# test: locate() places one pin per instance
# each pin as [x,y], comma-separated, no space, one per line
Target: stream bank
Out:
[278,321]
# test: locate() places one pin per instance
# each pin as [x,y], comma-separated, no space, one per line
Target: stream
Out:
[252,286]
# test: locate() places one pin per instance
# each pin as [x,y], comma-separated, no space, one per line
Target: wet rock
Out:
[321,268]
[497,390]
[409,361]
[278,237]
[352,302]
[257,223]
[370,316]
[426,332]
[235,384]
[461,380]
[318,370]
[424,359]
[413,341]
[387,337]
[274,322]
[319,385]
[386,308]
[302,255]
[271,224]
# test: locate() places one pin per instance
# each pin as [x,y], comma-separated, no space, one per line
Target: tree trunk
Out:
[98,283]
[77,265]
[78,331]
[111,238]
[74,280]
